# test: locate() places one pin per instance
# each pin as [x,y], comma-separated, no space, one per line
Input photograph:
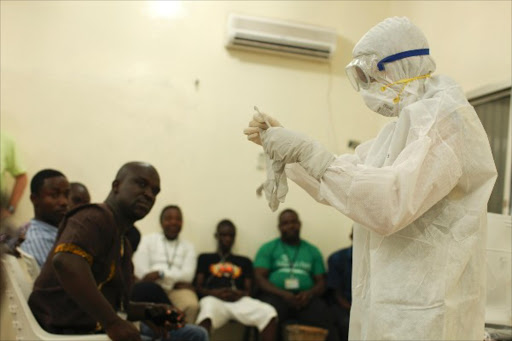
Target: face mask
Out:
[383,99]
[382,102]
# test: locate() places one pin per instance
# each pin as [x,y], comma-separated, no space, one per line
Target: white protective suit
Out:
[418,193]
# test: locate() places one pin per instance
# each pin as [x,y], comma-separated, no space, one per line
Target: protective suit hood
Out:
[390,37]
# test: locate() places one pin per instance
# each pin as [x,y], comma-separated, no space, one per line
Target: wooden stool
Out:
[299,332]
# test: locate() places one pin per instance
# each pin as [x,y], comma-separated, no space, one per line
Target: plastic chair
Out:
[30,264]
[17,291]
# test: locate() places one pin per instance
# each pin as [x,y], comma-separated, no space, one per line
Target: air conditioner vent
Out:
[268,35]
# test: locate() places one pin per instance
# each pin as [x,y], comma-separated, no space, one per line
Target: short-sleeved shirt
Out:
[339,273]
[39,240]
[227,272]
[10,161]
[92,232]
[284,261]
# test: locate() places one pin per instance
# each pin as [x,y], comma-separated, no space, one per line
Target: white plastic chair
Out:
[30,264]
[26,327]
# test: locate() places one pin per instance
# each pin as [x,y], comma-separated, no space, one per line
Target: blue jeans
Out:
[189,332]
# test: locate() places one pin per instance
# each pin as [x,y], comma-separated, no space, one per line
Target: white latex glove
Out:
[259,122]
[286,146]
[276,185]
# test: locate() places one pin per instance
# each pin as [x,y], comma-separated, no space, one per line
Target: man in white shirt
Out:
[170,261]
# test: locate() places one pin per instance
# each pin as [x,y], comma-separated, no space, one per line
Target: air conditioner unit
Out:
[282,37]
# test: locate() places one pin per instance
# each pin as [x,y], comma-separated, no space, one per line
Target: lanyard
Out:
[290,260]
[171,261]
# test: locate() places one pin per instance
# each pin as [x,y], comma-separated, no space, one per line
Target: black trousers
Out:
[316,314]
[149,292]
[341,320]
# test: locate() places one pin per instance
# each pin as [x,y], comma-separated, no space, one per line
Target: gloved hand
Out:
[287,146]
[276,185]
[259,122]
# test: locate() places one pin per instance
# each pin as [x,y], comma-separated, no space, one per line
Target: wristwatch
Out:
[11,209]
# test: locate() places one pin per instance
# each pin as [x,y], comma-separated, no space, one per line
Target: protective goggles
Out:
[359,70]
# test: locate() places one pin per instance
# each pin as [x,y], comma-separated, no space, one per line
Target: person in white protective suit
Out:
[418,192]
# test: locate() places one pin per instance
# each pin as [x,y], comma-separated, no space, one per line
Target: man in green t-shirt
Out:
[290,273]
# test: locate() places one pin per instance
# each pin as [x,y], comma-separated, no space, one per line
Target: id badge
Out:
[291,283]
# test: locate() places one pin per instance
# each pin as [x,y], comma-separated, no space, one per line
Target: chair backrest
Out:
[30,264]
[23,321]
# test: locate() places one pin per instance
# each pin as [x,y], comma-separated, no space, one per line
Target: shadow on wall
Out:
[336,66]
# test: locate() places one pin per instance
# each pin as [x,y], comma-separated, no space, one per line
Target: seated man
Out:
[170,261]
[224,282]
[49,192]
[78,195]
[89,273]
[290,274]
[339,288]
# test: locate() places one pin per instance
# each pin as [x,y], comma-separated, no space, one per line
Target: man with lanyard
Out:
[170,261]
[290,274]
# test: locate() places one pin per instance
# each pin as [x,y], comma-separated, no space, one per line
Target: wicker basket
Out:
[298,332]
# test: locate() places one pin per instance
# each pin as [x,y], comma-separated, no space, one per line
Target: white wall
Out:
[87,86]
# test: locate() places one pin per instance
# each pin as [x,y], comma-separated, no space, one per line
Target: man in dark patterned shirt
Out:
[88,274]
